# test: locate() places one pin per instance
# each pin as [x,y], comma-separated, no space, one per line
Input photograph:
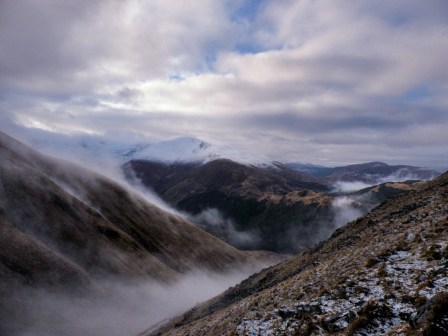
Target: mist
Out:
[345,210]
[77,160]
[371,180]
[400,176]
[345,187]
[214,222]
[118,309]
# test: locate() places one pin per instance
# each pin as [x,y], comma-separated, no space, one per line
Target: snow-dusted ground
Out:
[388,286]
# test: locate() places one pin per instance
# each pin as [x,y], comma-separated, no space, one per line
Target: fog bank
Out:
[120,309]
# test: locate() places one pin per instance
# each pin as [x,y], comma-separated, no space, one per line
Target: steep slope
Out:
[383,274]
[284,209]
[61,223]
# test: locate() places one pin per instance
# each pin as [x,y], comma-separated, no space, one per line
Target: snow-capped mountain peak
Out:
[88,148]
[188,149]
[183,149]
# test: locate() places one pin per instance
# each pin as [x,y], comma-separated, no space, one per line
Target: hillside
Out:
[66,228]
[282,210]
[383,274]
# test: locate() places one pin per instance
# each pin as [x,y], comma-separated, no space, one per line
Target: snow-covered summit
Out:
[188,149]
[183,149]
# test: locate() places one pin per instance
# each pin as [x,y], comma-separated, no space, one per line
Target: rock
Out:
[338,322]
[299,311]
[432,317]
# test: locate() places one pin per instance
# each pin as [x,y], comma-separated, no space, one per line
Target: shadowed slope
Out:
[60,221]
[282,207]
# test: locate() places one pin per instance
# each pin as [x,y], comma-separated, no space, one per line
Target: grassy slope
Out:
[370,276]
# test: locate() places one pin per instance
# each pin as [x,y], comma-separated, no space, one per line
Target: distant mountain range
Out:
[249,201]
[370,173]
[193,150]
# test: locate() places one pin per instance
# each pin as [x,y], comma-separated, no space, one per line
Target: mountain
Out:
[103,152]
[370,173]
[383,274]
[63,226]
[251,207]
[276,209]
[379,193]
[186,149]
[315,170]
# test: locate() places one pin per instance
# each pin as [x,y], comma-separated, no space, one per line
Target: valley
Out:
[270,208]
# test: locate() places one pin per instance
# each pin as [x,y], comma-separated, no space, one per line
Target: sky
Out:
[326,82]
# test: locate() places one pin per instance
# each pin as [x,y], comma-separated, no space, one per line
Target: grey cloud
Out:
[81,46]
[34,37]
[128,94]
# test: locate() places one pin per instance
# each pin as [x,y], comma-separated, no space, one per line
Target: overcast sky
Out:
[327,82]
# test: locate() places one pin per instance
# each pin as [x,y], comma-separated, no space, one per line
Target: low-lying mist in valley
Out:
[372,180]
[346,187]
[345,210]
[346,206]
[116,309]
[214,222]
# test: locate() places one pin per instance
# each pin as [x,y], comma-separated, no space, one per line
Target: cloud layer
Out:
[319,81]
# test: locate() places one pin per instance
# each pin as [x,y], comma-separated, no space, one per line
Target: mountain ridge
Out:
[374,172]
[270,204]
[181,149]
